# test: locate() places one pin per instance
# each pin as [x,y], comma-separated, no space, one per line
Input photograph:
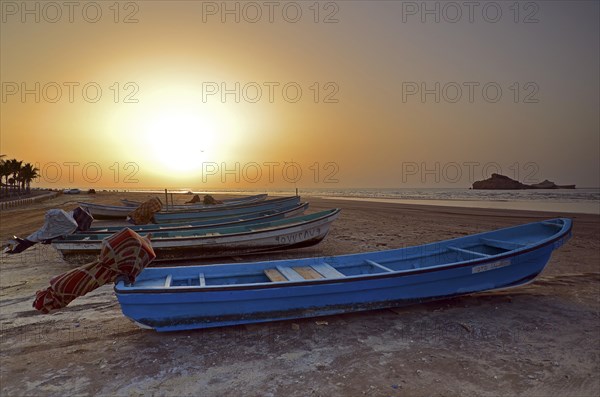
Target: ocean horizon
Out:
[584,200]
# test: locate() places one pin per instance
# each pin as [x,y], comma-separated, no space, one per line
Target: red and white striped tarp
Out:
[124,254]
[145,212]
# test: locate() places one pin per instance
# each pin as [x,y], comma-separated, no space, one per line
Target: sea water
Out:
[585,200]
[555,200]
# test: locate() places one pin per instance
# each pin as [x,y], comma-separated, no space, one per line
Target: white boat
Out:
[297,232]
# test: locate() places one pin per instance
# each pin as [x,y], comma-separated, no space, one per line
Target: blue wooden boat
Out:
[247,219]
[274,235]
[281,203]
[180,298]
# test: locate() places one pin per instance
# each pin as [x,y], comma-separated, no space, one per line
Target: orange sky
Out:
[356,123]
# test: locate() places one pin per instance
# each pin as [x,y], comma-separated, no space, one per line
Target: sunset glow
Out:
[172,85]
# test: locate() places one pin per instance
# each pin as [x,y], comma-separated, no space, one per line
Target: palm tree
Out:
[28,173]
[14,166]
[20,180]
[4,173]
[17,177]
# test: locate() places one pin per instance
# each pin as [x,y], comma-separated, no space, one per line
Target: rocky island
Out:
[502,182]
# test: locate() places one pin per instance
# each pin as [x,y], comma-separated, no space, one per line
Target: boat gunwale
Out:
[565,231]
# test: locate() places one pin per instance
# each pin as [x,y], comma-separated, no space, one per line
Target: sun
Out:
[172,133]
[180,139]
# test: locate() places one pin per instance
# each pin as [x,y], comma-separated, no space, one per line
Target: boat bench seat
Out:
[378,265]
[289,274]
[201,280]
[467,252]
[274,275]
[327,270]
[301,273]
[553,224]
[282,273]
[501,244]
[308,273]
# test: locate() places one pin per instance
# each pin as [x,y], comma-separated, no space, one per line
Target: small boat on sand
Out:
[177,215]
[103,211]
[281,203]
[187,297]
[224,203]
[288,233]
[248,219]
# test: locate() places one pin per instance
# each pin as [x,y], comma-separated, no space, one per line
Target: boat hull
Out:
[188,307]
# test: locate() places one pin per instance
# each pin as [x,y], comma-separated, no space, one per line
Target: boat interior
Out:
[485,245]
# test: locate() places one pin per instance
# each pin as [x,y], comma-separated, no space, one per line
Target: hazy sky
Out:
[196,94]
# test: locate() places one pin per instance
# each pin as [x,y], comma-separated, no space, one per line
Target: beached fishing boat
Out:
[281,204]
[226,202]
[248,219]
[296,232]
[102,211]
[169,299]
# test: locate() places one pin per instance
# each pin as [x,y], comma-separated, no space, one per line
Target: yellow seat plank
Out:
[308,273]
[274,275]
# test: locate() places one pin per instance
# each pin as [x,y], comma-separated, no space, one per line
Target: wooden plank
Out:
[373,263]
[289,273]
[307,272]
[467,252]
[202,280]
[168,280]
[274,275]
[327,270]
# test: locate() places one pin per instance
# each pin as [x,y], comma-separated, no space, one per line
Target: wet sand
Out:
[541,339]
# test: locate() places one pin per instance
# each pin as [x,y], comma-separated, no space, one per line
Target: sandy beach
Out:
[537,340]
